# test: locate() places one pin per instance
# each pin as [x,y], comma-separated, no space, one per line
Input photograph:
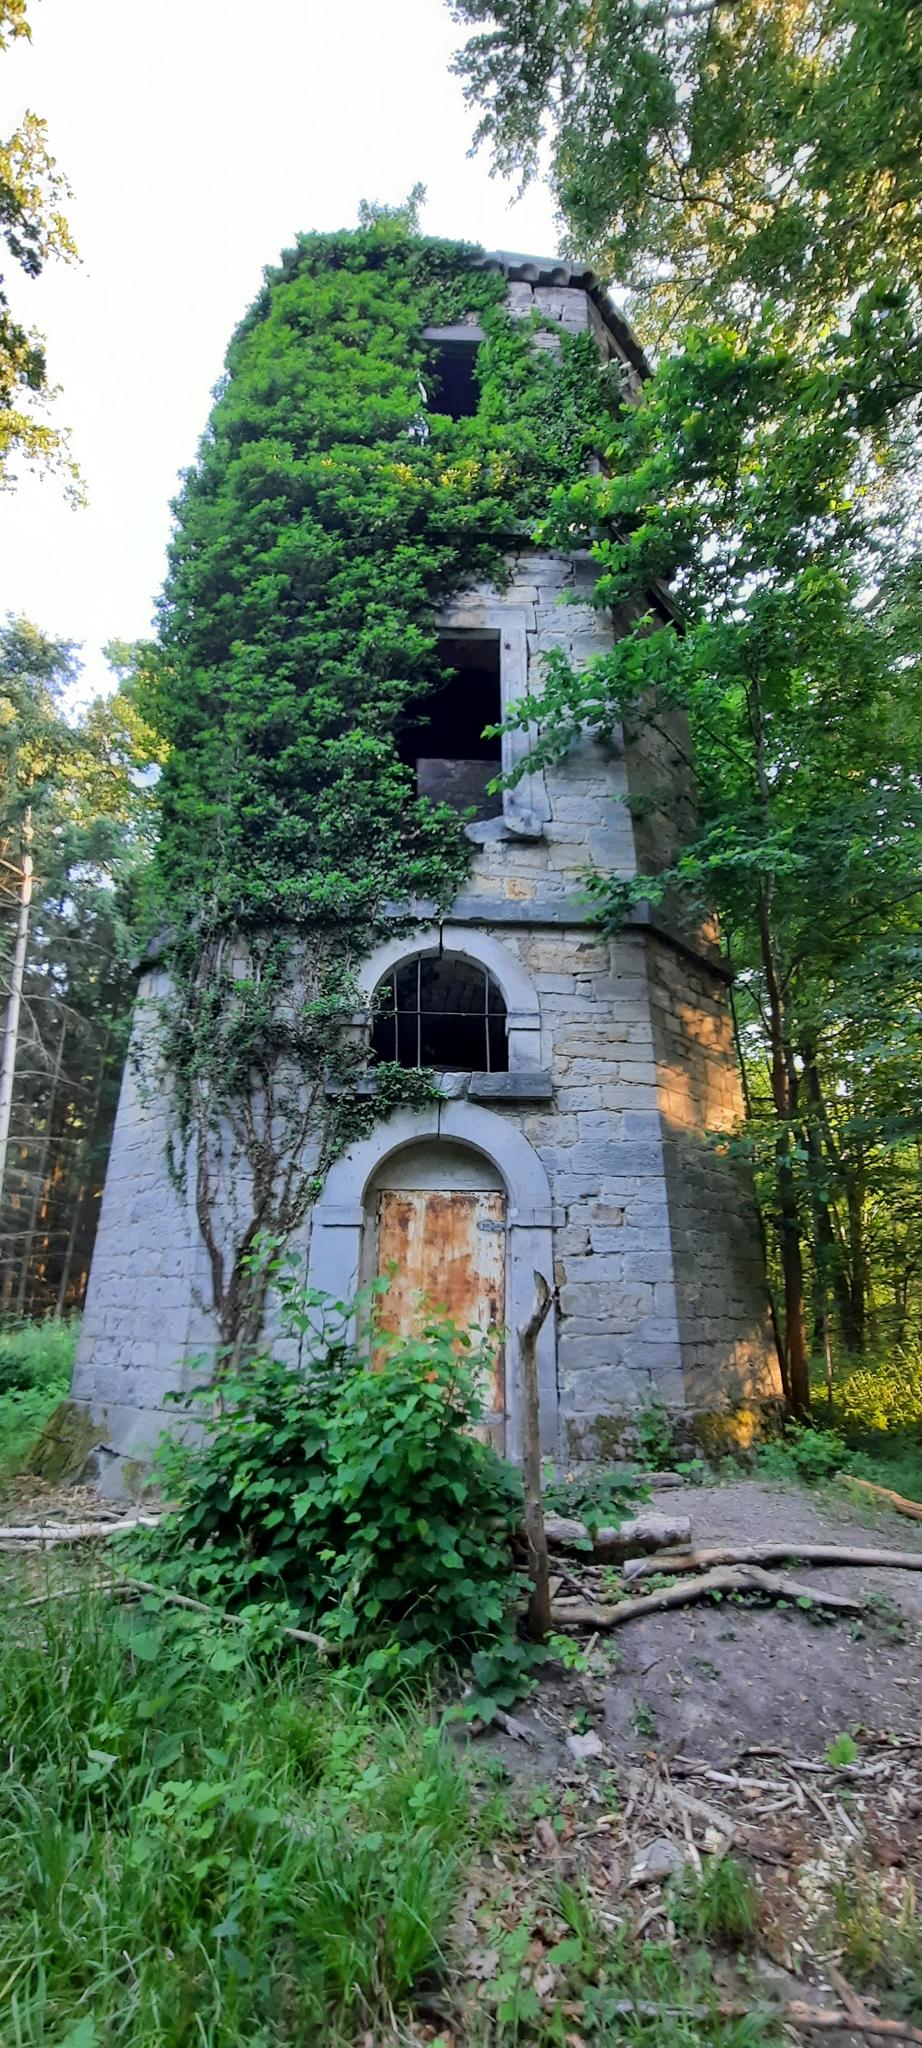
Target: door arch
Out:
[339,1258]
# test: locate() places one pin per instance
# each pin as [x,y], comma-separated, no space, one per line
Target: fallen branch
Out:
[721,1580]
[45,1534]
[912,1508]
[642,1533]
[796,2012]
[125,1588]
[539,1606]
[774,1553]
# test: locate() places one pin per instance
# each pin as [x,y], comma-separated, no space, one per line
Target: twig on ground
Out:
[795,2011]
[45,1534]
[127,1587]
[912,1508]
[774,1553]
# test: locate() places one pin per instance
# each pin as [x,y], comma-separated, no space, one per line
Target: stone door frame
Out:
[339,1221]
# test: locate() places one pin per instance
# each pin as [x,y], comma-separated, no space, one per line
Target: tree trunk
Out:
[539,1606]
[774,1318]
[14,1005]
[40,1173]
[792,1264]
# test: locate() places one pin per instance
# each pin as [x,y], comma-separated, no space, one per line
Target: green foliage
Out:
[199,1843]
[328,515]
[741,480]
[75,796]
[884,1394]
[601,1499]
[879,1939]
[364,1499]
[721,1906]
[331,511]
[714,156]
[752,175]
[37,1355]
[811,1455]
[32,230]
[36,1362]
[842,1750]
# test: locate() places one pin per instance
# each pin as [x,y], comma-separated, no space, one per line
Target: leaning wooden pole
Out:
[539,1606]
[14,1005]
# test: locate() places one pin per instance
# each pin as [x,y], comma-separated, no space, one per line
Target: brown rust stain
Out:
[449,1250]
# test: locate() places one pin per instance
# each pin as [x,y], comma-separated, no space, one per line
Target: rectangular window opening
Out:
[454,379]
[444,738]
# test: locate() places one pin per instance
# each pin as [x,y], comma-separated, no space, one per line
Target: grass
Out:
[816,1456]
[721,1907]
[201,1845]
[879,1940]
[36,1363]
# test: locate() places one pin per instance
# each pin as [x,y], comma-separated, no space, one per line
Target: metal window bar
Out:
[408,1018]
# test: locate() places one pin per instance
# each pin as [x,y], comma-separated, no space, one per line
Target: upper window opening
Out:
[454,370]
[444,741]
[441,1011]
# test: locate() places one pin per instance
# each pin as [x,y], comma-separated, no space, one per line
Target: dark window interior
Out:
[441,1012]
[454,385]
[445,741]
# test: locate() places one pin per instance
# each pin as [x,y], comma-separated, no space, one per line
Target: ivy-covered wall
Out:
[331,512]
[334,520]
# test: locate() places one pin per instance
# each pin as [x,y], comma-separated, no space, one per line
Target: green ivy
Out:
[330,514]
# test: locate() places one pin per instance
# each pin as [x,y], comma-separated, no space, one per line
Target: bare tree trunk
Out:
[539,1606]
[40,1172]
[792,1264]
[72,1235]
[774,1318]
[14,1005]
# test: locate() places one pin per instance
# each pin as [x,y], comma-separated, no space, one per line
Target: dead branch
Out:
[125,1588]
[44,1534]
[774,1553]
[539,1606]
[796,2012]
[912,1508]
[641,1533]
[721,1580]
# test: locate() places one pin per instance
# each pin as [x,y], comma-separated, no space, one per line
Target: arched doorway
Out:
[341,1240]
[435,1227]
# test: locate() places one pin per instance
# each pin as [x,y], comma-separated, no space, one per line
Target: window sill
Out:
[525,1084]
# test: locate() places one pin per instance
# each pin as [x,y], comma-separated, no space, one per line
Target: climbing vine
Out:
[330,513]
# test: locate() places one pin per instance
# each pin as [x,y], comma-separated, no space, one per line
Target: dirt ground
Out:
[685,1737]
[703,1682]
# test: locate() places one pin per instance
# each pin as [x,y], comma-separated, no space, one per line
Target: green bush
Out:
[886,1395]
[804,1453]
[600,1499]
[37,1356]
[362,1498]
[200,1844]
[36,1363]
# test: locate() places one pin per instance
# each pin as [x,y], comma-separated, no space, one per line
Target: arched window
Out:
[438,1010]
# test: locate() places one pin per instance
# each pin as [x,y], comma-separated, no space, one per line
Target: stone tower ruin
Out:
[580,1075]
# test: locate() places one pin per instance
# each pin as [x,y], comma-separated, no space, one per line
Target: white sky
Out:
[199,136]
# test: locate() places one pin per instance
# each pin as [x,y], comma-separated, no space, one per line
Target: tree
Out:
[712,154]
[82,788]
[33,229]
[743,480]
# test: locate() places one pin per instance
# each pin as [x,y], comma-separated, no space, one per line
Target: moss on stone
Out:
[63,1446]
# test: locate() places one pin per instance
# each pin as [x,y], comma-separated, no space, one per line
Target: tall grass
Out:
[36,1363]
[198,1845]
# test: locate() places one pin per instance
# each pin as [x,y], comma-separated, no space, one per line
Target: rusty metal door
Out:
[451,1248]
